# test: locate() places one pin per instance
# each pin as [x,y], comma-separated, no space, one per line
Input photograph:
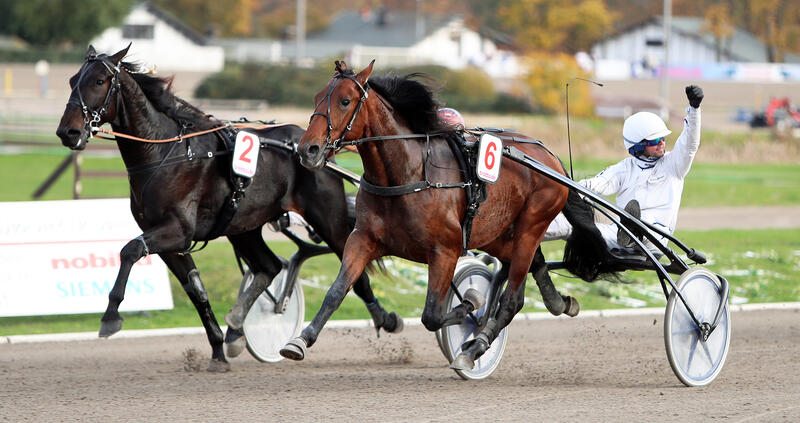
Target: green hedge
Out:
[280,85]
[34,55]
[469,90]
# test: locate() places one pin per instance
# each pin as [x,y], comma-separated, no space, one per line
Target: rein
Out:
[131,137]
[180,137]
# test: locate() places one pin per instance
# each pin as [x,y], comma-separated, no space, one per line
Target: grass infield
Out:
[760,265]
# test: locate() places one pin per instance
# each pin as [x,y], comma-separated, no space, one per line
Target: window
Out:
[137,32]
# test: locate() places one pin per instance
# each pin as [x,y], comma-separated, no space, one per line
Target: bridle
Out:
[92,116]
[338,79]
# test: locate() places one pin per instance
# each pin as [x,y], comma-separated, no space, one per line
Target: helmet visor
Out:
[656,141]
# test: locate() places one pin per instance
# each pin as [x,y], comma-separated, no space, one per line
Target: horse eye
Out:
[345,101]
[100,82]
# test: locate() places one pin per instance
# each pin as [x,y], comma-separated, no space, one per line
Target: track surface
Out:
[605,369]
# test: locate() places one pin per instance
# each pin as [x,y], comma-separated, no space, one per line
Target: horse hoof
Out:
[462,362]
[218,366]
[295,349]
[110,327]
[398,325]
[234,320]
[234,348]
[572,306]
[474,297]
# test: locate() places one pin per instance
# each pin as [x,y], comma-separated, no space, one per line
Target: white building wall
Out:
[632,47]
[168,49]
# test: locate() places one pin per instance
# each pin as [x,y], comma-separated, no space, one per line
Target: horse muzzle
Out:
[311,156]
[73,138]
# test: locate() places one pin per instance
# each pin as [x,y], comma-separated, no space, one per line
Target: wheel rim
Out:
[472,273]
[694,361]
[266,331]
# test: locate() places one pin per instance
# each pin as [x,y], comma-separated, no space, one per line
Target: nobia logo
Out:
[94,261]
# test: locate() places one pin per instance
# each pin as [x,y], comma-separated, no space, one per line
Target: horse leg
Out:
[513,297]
[264,264]
[441,266]
[358,251]
[556,303]
[382,319]
[166,237]
[332,224]
[183,267]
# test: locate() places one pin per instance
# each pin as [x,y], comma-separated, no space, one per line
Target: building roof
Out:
[175,23]
[380,28]
[741,46]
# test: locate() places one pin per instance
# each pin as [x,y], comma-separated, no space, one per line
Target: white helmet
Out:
[643,126]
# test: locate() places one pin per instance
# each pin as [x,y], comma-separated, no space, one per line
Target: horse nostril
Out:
[67,132]
[312,151]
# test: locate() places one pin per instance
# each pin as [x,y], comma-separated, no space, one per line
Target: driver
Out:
[650,182]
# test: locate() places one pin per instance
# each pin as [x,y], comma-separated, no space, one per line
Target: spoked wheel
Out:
[266,330]
[471,272]
[694,361]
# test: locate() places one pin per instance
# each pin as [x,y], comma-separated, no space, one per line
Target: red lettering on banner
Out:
[94,261]
[63,262]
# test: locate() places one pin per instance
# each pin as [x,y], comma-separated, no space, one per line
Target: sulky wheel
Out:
[471,272]
[696,362]
[266,330]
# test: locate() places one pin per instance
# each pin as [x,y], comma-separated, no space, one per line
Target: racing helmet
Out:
[642,126]
[452,118]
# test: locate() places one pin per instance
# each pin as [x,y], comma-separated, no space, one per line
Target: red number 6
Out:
[488,160]
[244,157]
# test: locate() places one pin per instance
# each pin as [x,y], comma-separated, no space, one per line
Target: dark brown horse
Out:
[180,188]
[380,115]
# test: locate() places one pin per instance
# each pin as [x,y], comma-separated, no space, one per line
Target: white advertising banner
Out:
[62,257]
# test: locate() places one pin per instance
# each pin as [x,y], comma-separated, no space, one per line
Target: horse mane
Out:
[412,99]
[158,91]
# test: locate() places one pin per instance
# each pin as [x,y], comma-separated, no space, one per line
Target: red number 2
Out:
[244,157]
[489,159]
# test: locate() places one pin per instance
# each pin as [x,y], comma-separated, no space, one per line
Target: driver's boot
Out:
[623,239]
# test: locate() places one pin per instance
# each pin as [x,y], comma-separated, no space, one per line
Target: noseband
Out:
[91,116]
[338,79]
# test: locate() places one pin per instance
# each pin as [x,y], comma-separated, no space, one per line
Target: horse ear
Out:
[117,57]
[91,52]
[340,68]
[363,76]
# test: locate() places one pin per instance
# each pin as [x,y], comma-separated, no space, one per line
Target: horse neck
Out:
[390,162]
[142,120]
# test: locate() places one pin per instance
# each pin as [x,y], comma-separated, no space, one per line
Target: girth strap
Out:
[395,190]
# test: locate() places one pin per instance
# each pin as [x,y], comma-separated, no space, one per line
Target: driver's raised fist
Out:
[695,95]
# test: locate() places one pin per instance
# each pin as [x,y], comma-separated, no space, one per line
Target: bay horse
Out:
[419,214]
[179,188]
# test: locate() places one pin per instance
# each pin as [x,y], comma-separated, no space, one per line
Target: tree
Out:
[47,23]
[775,22]
[555,25]
[718,23]
[225,18]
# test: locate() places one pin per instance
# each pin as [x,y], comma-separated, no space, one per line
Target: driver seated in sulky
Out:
[649,183]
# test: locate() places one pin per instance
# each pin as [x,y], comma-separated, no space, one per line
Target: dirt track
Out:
[589,369]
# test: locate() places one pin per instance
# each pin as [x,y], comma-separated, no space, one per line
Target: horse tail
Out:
[586,254]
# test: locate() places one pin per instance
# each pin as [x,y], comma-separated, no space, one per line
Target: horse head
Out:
[336,115]
[94,98]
